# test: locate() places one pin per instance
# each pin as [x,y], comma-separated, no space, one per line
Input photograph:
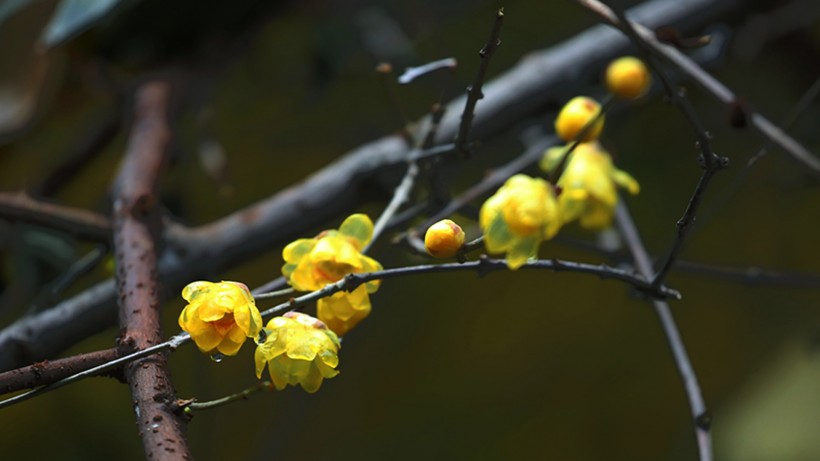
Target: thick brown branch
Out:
[135,228]
[49,371]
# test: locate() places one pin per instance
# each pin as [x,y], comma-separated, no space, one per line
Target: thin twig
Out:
[400,195]
[474,91]
[482,267]
[191,406]
[700,414]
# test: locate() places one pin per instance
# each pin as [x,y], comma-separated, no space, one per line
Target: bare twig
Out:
[136,219]
[700,414]
[474,91]
[191,406]
[483,266]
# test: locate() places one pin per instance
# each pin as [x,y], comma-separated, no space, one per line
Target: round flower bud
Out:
[579,111]
[628,78]
[443,239]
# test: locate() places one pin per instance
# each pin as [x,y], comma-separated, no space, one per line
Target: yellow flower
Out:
[574,116]
[515,220]
[588,185]
[443,239]
[628,78]
[299,349]
[310,264]
[219,316]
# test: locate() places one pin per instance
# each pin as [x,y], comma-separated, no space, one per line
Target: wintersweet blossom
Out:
[310,264]
[588,185]
[219,316]
[521,214]
[298,349]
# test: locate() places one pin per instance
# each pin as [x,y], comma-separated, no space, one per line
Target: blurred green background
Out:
[525,365]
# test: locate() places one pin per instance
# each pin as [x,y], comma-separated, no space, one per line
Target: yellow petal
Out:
[359,228]
[194,289]
[296,250]
[625,180]
[230,347]
[522,250]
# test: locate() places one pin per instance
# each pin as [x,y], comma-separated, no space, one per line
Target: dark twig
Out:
[483,266]
[700,414]
[136,218]
[191,406]
[77,222]
[474,91]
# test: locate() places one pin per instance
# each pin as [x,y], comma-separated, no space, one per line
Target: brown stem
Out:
[49,371]
[136,220]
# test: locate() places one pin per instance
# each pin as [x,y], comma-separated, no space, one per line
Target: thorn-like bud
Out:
[574,116]
[628,78]
[443,239]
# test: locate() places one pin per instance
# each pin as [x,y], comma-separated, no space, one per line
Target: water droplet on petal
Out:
[217,357]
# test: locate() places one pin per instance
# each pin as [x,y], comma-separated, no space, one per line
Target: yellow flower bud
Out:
[443,239]
[628,78]
[574,116]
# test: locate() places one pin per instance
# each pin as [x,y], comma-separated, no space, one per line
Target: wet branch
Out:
[136,226]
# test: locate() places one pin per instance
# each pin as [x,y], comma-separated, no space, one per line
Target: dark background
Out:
[512,366]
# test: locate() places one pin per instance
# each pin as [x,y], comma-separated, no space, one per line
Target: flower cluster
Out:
[588,185]
[299,349]
[521,214]
[219,316]
[310,264]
